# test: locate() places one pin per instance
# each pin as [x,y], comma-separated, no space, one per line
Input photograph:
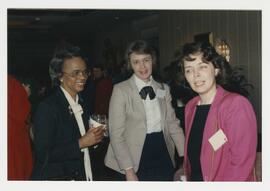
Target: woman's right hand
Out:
[131,175]
[93,136]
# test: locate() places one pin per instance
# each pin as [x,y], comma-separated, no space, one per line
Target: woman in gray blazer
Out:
[142,124]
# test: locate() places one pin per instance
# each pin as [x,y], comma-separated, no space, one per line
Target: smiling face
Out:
[201,77]
[141,65]
[74,75]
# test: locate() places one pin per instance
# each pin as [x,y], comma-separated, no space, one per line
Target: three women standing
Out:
[221,131]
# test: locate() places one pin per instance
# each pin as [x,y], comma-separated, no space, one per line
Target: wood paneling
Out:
[241,29]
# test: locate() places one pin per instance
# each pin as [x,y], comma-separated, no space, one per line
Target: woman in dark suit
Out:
[62,135]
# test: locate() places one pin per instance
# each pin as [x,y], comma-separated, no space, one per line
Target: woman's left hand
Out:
[179,175]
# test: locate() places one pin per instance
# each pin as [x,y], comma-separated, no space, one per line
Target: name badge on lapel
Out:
[161,93]
[218,139]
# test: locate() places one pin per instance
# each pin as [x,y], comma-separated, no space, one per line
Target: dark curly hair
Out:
[63,52]
[229,78]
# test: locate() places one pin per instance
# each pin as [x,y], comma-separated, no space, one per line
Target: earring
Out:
[216,72]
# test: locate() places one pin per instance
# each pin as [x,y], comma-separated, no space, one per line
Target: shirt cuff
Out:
[128,168]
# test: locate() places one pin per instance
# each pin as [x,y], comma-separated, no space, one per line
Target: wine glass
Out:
[97,120]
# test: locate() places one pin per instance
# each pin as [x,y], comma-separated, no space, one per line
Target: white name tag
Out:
[218,139]
[161,93]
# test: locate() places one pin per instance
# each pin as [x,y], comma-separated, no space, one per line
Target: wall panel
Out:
[241,29]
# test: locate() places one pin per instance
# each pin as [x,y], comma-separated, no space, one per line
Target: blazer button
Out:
[76,173]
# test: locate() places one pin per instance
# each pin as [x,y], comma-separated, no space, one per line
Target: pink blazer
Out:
[233,161]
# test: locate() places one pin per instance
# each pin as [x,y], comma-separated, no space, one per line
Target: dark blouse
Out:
[195,141]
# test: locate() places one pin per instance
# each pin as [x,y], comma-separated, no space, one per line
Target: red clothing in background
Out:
[103,94]
[20,160]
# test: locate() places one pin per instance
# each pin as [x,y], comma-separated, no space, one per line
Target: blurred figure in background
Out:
[88,94]
[180,92]
[20,160]
[120,73]
[103,90]
[102,84]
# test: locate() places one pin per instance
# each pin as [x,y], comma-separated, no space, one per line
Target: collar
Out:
[140,83]
[221,92]
[69,98]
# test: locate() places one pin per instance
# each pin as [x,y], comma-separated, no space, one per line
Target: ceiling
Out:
[31,23]
[33,33]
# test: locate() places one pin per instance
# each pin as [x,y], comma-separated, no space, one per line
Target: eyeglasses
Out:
[77,73]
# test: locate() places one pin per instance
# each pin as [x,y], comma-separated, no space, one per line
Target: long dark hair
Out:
[229,78]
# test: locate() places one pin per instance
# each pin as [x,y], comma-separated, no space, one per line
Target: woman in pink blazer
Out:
[221,131]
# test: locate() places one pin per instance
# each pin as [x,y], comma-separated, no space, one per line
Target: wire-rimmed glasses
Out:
[77,73]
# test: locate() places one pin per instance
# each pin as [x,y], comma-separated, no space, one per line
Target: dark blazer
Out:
[56,146]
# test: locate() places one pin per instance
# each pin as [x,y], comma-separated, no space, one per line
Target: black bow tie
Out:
[147,90]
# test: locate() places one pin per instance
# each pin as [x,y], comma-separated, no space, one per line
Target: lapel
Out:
[211,126]
[212,114]
[161,100]
[67,113]
[137,100]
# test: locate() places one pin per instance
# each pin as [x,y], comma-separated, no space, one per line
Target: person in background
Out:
[180,93]
[29,87]
[120,73]
[41,89]
[103,90]
[221,130]
[88,94]
[20,161]
[102,86]
[62,134]
[142,124]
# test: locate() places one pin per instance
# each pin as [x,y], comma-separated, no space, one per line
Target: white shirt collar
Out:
[140,83]
[69,98]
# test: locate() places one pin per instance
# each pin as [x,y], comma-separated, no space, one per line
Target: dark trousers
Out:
[155,163]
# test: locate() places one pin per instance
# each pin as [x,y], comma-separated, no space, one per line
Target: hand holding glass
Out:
[98,120]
